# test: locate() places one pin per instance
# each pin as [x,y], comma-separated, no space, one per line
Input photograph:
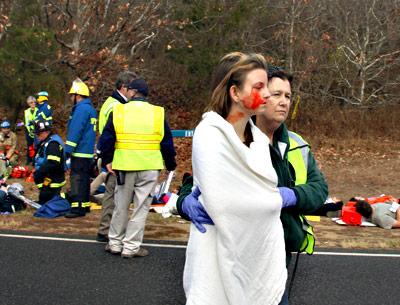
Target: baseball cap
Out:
[140,86]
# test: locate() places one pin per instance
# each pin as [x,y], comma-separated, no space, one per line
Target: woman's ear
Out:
[233,92]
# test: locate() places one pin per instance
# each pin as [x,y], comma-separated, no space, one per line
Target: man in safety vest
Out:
[301,184]
[49,172]
[8,152]
[134,143]
[122,95]
[44,111]
[29,119]
[79,148]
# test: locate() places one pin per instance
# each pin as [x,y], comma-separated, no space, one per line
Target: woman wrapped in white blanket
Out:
[240,260]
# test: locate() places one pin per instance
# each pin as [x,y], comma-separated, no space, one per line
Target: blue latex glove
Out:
[288,197]
[192,207]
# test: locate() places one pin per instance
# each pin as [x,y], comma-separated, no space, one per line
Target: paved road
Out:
[36,271]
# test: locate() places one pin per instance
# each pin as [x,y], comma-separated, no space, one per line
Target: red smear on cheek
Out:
[233,118]
[253,101]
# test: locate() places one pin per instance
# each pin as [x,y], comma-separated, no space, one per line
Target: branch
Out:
[381,57]
[64,44]
[140,42]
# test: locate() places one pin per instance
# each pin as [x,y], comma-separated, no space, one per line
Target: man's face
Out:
[32,104]
[278,105]
[42,135]
[5,131]
[128,93]
[72,98]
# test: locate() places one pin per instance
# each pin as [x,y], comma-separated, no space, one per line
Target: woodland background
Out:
[345,55]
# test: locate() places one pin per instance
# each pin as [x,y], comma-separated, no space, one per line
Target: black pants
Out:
[29,142]
[80,183]
[46,193]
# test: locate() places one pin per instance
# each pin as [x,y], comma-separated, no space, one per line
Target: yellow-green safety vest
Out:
[105,111]
[139,129]
[298,157]
[29,118]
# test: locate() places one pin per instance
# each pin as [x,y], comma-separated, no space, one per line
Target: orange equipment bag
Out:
[350,215]
[20,172]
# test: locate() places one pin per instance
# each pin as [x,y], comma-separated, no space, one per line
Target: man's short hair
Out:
[124,78]
[363,208]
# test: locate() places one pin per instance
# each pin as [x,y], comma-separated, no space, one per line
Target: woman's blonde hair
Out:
[231,71]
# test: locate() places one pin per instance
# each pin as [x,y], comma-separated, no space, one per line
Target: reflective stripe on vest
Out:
[40,160]
[139,129]
[105,111]
[309,240]
[298,156]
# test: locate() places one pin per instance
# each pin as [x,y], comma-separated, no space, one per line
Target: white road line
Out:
[356,254]
[85,240]
[184,246]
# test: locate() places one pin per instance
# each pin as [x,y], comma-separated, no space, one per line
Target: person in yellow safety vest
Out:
[29,119]
[299,179]
[122,95]
[44,111]
[134,143]
[79,148]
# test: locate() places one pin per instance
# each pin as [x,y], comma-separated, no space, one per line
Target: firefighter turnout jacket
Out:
[81,135]
[44,112]
[50,163]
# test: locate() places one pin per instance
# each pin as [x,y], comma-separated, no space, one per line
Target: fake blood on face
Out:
[233,118]
[253,101]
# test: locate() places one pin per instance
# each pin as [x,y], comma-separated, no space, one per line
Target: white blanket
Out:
[240,260]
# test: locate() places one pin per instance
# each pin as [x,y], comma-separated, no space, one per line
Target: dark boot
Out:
[75,212]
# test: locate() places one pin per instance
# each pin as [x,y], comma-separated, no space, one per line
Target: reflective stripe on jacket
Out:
[81,135]
[43,156]
[44,112]
[139,129]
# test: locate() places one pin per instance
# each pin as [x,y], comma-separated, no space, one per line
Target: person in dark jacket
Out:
[49,172]
[306,187]
[81,138]
[44,111]
[122,94]
[134,146]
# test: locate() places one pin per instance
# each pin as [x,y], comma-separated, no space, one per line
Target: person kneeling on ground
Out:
[385,215]
[49,162]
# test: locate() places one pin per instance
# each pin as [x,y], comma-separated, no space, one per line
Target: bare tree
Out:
[365,56]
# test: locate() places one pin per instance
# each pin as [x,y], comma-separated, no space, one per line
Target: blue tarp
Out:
[55,207]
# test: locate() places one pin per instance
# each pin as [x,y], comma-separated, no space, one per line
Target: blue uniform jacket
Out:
[81,135]
[44,112]
[106,143]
